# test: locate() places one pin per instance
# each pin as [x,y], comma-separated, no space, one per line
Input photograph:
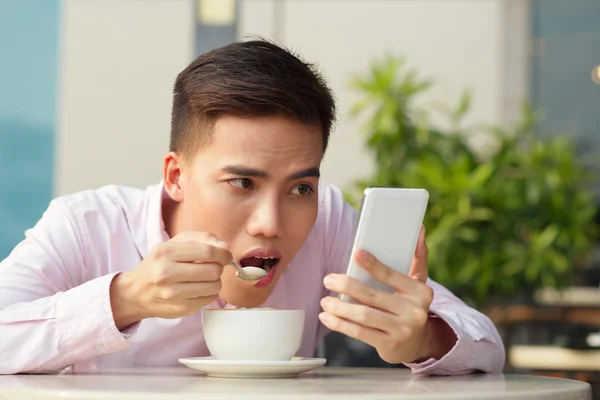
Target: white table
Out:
[322,384]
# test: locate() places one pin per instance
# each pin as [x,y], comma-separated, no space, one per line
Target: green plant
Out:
[503,219]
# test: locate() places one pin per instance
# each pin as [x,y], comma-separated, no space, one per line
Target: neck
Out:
[171,211]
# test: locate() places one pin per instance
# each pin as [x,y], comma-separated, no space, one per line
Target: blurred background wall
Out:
[132,108]
[118,63]
[28,85]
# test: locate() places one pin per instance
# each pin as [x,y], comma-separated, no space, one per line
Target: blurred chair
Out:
[563,334]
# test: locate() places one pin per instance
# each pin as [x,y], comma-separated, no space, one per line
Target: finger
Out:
[195,272]
[385,274]
[343,284]
[192,252]
[370,336]
[418,268]
[190,290]
[185,307]
[200,237]
[199,303]
[359,314]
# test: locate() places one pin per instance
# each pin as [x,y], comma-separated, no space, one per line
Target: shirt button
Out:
[101,349]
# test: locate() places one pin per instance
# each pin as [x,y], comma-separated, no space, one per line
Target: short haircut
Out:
[247,79]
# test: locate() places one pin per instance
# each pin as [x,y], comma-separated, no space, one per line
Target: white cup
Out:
[256,334]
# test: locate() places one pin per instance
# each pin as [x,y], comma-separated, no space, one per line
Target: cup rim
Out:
[249,310]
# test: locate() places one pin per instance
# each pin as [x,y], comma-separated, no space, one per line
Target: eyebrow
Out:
[241,170]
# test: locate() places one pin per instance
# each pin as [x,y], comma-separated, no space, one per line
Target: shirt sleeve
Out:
[50,317]
[478,346]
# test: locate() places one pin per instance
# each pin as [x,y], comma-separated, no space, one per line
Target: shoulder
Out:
[336,215]
[335,226]
[331,197]
[110,197]
[97,215]
[107,202]
[92,222]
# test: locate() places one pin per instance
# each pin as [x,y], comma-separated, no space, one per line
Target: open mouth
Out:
[266,263]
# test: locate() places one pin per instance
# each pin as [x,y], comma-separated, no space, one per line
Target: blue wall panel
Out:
[562,85]
[28,68]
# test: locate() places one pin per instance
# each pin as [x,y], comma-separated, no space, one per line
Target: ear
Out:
[172,175]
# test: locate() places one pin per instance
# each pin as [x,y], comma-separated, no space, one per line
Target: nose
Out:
[266,220]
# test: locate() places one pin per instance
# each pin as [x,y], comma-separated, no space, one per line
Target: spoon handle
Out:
[237,267]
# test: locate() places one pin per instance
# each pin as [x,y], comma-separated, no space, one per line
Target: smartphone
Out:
[388,227]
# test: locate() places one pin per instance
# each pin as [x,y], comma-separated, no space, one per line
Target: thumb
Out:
[201,237]
[418,268]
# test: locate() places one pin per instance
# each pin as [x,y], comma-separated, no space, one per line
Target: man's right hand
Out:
[177,278]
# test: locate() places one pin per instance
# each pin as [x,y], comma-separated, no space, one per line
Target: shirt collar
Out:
[155,226]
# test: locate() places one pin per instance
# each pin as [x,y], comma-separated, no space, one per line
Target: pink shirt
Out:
[54,290]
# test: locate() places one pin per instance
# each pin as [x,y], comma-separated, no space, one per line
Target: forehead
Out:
[265,135]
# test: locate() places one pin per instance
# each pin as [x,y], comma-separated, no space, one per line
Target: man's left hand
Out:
[398,324]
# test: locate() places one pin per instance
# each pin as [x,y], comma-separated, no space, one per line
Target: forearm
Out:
[54,332]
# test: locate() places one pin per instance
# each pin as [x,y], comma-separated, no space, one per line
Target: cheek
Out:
[300,220]
[211,211]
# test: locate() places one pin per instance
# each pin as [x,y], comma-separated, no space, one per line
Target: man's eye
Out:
[302,190]
[242,183]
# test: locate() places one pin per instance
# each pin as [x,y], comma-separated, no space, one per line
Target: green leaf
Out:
[463,105]
[464,206]
[482,174]
[549,234]
[467,234]
[481,214]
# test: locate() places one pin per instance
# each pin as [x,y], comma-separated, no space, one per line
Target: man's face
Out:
[253,185]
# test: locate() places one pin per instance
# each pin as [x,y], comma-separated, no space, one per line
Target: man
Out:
[119,276]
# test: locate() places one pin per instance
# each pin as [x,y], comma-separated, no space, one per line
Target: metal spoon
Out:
[251,274]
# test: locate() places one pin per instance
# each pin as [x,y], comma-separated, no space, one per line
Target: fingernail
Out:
[324,301]
[219,243]
[328,281]
[362,255]
[323,316]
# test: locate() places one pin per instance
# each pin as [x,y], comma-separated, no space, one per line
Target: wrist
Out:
[125,308]
[438,339]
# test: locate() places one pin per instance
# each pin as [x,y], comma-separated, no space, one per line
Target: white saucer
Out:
[252,369]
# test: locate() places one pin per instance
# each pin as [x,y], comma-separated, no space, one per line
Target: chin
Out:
[240,294]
